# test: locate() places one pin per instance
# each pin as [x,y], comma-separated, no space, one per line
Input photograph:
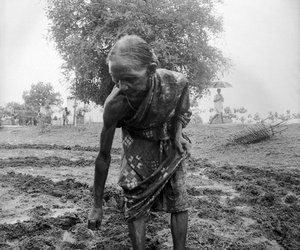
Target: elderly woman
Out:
[151,106]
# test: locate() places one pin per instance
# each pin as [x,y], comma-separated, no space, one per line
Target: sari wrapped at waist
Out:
[159,133]
[147,166]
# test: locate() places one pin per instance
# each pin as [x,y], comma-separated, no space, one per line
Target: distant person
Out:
[66,112]
[218,103]
[35,121]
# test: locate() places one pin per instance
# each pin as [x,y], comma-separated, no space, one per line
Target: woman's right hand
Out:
[95,218]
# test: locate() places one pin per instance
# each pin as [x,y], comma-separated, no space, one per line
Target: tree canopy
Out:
[13,108]
[180,32]
[40,94]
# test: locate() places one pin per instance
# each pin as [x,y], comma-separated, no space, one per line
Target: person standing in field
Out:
[65,116]
[152,107]
[218,103]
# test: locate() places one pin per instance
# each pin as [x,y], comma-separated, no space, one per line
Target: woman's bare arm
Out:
[115,109]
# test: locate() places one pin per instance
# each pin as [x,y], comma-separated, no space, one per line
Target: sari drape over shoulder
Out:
[150,159]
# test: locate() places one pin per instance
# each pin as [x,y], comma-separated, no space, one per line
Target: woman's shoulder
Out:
[173,78]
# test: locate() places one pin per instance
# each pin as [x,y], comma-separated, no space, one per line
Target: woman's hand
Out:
[95,218]
[183,145]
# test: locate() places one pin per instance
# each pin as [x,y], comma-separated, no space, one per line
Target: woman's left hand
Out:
[183,145]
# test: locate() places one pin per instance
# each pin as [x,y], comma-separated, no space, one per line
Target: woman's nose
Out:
[119,84]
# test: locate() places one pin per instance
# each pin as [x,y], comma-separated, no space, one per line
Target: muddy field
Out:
[242,197]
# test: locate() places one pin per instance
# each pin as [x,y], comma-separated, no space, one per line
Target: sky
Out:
[261,37]
[26,54]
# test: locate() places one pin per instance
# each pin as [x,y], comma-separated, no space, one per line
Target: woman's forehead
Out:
[119,66]
[124,66]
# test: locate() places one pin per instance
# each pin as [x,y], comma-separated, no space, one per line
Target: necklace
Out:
[130,105]
[150,82]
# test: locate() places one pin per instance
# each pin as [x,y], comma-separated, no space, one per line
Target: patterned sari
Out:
[150,159]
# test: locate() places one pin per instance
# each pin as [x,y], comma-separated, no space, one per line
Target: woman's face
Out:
[130,79]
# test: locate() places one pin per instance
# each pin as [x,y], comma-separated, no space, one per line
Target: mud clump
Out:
[68,188]
[267,199]
[19,230]
[114,197]
[64,222]
[37,226]
[40,211]
[290,199]
[38,243]
[78,237]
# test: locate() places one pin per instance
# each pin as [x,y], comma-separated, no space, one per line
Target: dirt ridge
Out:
[55,146]
[51,161]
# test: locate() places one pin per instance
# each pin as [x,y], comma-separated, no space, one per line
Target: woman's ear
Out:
[152,68]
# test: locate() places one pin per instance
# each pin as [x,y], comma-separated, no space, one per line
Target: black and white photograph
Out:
[150,124]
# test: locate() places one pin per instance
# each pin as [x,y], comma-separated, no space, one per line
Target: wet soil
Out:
[241,197]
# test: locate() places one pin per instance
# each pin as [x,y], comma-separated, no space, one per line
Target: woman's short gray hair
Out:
[136,49]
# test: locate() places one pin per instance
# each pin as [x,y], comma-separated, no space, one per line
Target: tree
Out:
[2,112]
[240,113]
[12,108]
[40,94]
[228,113]
[180,32]
[256,117]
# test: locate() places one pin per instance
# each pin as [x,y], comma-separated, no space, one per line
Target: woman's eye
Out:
[128,79]
[114,79]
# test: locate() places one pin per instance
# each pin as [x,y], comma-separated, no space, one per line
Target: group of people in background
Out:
[16,119]
[31,119]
